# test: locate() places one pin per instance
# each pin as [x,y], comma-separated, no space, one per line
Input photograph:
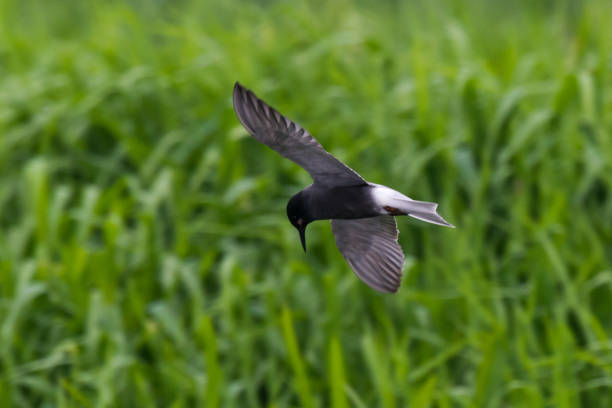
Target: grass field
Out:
[145,254]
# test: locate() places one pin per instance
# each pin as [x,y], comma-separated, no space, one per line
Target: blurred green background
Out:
[145,254]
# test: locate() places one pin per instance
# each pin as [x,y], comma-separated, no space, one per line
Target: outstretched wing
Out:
[291,140]
[370,247]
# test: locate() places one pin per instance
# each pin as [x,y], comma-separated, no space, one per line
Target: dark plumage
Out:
[361,213]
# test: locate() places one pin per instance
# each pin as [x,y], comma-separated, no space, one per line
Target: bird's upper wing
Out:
[370,247]
[291,140]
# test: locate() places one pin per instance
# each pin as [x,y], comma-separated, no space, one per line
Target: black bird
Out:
[361,213]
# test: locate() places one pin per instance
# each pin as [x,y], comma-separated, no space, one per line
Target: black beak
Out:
[303,236]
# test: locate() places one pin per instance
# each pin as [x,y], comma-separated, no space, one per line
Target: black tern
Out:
[362,214]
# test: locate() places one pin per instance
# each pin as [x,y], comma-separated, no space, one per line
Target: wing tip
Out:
[238,87]
[242,93]
[378,283]
[383,289]
[237,94]
[239,99]
[388,291]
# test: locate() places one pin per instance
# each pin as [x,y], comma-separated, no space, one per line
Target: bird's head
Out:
[296,212]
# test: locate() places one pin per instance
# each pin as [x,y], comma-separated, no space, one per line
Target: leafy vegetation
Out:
[145,255]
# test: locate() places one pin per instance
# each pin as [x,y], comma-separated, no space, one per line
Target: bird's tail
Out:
[424,211]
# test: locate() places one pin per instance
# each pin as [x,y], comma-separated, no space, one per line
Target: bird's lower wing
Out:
[291,140]
[370,247]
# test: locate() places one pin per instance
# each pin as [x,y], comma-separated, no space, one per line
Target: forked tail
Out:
[421,210]
[395,203]
[426,211]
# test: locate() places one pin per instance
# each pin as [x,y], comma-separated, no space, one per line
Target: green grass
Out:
[145,255]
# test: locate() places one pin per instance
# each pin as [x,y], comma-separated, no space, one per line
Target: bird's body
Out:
[327,203]
[363,201]
[361,213]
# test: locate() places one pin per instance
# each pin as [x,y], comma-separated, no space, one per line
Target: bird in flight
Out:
[362,214]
